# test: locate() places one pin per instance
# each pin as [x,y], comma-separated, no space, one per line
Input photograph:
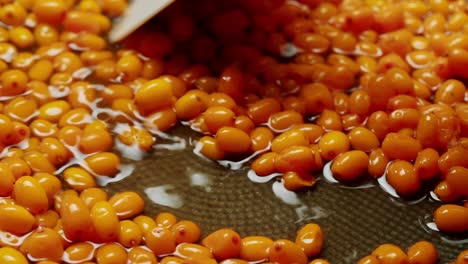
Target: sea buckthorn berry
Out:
[7,180]
[209,147]
[111,253]
[422,252]
[217,117]
[457,180]
[403,118]
[145,223]
[461,258]
[91,196]
[295,158]
[153,95]
[402,101]
[79,252]
[98,140]
[78,117]
[18,166]
[138,255]
[332,144]
[29,193]
[232,140]
[105,222]
[78,179]
[451,91]
[47,219]
[427,130]
[22,37]
[244,123]
[350,166]
[317,98]
[388,253]
[292,137]
[41,70]
[76,218]
[261,138]
[310,238]
[160,240]
[255,248]
[369,260]
[191,104]
[79,21]
[14,82]
[172,260]
[285,251]
[378,124]
[103,163]
[54,150]
[401,146]
[38,162]
[15,219]
[402,177]
[455,156]
[451,218]
[223,244]
[363,139]
[284,120]
[312,42]
[130,234]
[379,93]
[10,255]
[53,111]
[127,204]
[70,135]
[67,62]
[50,11]
[359,102]
[44,243]
[162,120]
[330,120]
[185,250]
[265,164]
[13,14]
[186,232]
[166,219]
[426,165]
[261,110]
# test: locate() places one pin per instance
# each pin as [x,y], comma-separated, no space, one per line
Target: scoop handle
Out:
[137,13]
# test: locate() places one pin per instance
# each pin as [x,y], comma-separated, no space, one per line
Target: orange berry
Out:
[265,164]
[44,243]
[223,244]
[451,218]
[332,144]
[233,140]
[402,177]
[186,232]
[255,248]
[350,166]
[295,158]
[50,11]
[160,240]
[422,252]
[127,204]
[310,238]
[388,253]
[401,146]
[16,219]
[285,251]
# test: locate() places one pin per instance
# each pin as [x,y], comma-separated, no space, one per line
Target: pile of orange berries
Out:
[419,252]
[376,87]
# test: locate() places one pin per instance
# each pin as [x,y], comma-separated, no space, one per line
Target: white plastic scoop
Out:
[137,13]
